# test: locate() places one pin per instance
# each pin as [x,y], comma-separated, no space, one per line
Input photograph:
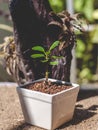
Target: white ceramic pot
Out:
[45,110]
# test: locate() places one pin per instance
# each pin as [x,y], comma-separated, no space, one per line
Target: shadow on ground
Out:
[84,94]
[22,126]
[80,115]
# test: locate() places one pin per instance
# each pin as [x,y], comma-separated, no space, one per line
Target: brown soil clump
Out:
[48,87]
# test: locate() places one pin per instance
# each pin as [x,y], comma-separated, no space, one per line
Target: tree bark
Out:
[33,25]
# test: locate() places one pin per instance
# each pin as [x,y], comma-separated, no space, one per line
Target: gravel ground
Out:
[85,116]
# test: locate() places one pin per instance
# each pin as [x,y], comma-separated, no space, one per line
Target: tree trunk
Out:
[35,24]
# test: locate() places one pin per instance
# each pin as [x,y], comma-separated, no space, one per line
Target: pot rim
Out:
[74,85]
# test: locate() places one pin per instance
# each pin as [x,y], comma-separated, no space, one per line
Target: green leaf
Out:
[54,45]
[44,61]
[38,48]
[37,55]
[57,57]
[54,63]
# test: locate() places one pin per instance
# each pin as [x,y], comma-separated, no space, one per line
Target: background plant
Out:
[87,43]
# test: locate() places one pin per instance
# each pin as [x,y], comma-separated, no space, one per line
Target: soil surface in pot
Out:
[49,87]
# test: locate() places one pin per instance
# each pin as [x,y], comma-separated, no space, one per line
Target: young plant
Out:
[48,58]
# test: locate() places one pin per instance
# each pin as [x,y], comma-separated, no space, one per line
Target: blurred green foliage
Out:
[57,5]
[87,43]
[85,7]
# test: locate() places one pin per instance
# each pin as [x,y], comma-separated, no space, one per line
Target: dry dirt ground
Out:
[85,116]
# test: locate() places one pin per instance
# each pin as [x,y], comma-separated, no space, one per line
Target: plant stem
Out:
[46,73]
[46,76]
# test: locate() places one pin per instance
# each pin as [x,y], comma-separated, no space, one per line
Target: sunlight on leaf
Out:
[54,45]
[38,48]
[54,63]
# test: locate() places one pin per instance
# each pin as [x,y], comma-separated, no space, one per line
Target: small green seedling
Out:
[48,58]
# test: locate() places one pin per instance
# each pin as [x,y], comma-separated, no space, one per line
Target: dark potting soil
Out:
[49,87]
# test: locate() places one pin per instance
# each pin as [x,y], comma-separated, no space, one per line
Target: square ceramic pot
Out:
[45,110]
